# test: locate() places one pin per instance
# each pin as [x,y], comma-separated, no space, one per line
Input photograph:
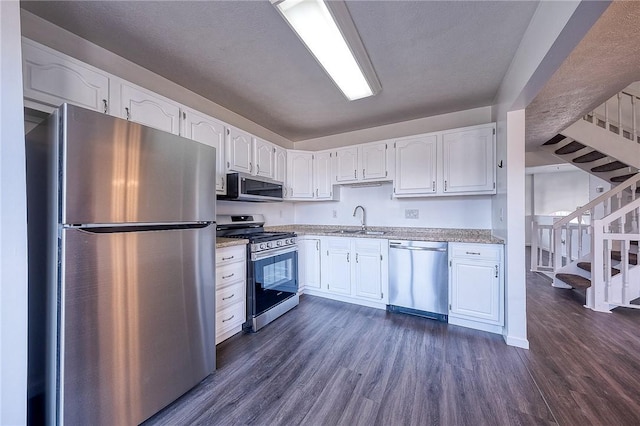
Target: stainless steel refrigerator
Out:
[121,266]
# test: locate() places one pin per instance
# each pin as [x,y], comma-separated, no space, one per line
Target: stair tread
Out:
[618,179]
[609,167]
[589,157]
[617,255]
[570,148]
[586,266]
[575,281]
[554,140]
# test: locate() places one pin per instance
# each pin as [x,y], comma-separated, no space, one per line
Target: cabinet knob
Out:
[128,114]
[104,106]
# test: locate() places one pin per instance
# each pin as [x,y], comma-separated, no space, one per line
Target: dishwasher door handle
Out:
[394,246]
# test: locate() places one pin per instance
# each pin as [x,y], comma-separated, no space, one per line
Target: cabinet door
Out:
[374,161]
[347,164]
[300,175]
[475,290]
[322,168]
[264,158]
[280,165]
[336,269]
[53,79]
[207,130]
[141,106]
[309,259]
[416,165]
[468,161]
[368,268]
[239,151]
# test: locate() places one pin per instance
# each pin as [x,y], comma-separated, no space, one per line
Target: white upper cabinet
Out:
[455,162]
[148,108]
[322,175]
[239,151]
[365,162]
[346,162]
[51,79]
[416,165]
[373,161]
[300,175]
[210,131]
[280,165]
[263,155]
[469,159]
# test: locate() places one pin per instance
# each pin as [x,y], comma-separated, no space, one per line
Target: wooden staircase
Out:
[582,282]
[598,253]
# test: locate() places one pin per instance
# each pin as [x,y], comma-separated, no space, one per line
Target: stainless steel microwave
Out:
[242,187]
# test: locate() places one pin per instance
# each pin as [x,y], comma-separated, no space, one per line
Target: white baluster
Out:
[626,247]
[620,114]
[579,237]
[606,115]
[634,119]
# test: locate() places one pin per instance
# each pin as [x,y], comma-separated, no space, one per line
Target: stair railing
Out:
[605,292]
[627,115]
[566,240]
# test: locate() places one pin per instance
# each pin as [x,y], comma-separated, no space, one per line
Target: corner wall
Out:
[13,223]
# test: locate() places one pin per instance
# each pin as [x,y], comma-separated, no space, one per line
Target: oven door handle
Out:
[272,253]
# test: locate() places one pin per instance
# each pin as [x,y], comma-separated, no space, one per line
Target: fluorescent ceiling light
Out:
[330,35]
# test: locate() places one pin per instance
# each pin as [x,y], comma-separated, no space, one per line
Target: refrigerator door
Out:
[116,171]
[136,322]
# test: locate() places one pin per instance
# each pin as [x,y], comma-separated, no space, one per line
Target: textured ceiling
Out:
[605,61]
[431,57]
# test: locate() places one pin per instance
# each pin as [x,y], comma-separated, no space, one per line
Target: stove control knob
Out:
[291,241]
[262,246]
[269,244]
[279,243]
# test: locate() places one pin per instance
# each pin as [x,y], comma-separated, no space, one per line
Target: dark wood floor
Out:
[327,363]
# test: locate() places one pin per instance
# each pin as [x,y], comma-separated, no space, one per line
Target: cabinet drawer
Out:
[475,251]
[230,317]
[235,293]
[230,254]
[229,274]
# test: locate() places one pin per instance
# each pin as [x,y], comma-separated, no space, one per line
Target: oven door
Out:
[273,278]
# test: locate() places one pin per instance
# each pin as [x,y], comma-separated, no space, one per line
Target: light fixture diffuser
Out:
[327,30]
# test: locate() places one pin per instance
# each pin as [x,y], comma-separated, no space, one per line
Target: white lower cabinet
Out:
[353,270]
[476,287]
[231,288]
[308,263]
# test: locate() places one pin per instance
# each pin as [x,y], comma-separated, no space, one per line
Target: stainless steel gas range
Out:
[272,267]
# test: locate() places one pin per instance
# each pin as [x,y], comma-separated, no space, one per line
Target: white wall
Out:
[274,213]
[13,224]
[562,191]
[470,117]
[37,29]
[382,210]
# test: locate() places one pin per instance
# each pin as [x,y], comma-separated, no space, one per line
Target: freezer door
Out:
[136,322]
[116,171]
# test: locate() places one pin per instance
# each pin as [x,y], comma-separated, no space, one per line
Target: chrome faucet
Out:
[364,217]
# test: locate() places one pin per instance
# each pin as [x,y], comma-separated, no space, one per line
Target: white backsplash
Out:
[442,212]
[382,210]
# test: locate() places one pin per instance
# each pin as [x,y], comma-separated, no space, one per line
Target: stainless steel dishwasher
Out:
[419,278]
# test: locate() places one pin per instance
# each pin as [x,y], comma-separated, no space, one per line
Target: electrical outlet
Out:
[280,213]
[411,214]
[335,214]
[501,214]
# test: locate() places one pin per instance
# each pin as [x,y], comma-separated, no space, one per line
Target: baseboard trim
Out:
[518,342]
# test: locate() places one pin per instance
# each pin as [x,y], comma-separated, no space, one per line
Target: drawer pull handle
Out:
[229,319]
[224,277]
[227,298]
[474,252]
[228,258]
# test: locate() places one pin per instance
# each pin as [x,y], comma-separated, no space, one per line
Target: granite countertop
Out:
[228,242]
[397,233]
